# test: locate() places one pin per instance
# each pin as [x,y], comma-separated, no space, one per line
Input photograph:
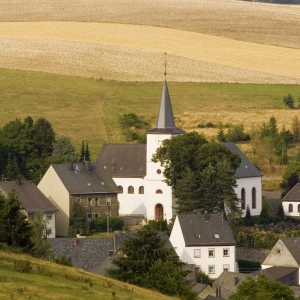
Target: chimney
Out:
[236,280]
[18,181]
[218,292]
[75,241]
[205,216]
[88,166]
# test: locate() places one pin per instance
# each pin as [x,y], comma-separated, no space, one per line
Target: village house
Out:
[86,182]
[206,241]
[291,202]
[32,201]
[142,190]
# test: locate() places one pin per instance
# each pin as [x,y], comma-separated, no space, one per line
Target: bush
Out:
[62,260]
[202,277]
[100,224]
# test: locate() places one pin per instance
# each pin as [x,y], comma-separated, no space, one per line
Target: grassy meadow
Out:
[49,281]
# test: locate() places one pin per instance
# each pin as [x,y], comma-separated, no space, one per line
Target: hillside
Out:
[206,41]
[48,281]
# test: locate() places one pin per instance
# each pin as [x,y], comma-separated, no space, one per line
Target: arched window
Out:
[290,207]
[130,190]
[243,198]
[158,192]
[254,197]
[120,189]
[141,190]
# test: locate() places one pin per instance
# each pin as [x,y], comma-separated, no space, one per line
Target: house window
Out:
[197,269]
[96,201]
[96,216]
[108,200]
[130,190]
[226,252]
[89,218]
[89,201]
[48,231]
[225,267]
[211,269]
[254,197]
[197,253]
[243,198]
[31,217]
[120,189]
[48,216]
[211,252]
[141,190]
[290,207]
[158,192]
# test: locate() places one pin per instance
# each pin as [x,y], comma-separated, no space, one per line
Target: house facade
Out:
[206,241]
[32,201]
[283,261]
[291,202]
[63,184]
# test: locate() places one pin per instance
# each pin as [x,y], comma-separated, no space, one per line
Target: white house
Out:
[291,202]
[142,190]
[32,201]
[249,183]
[283,261]
[206,241]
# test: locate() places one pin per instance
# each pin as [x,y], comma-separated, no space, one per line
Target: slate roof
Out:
[246,168]
[229,281]
[88,252]
[210,297]
[79,179]
[165,121]
[293,245]
[293,195]
[123,160]
[193,225]
[277,273]
[31,198]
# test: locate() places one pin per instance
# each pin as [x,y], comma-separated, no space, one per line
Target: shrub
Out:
[202,277]
[62,260]
[100,224]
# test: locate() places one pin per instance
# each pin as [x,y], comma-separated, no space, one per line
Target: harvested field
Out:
[135,53]
[248,21]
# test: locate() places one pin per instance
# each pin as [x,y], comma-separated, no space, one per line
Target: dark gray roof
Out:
[193,225]
[246,168]
[199,287]
[277,273]
[123,160]
[210,297]
[88,252]
[229,281]
[165,121]
[31,198]
[293,245]
[293,194]
[79,179]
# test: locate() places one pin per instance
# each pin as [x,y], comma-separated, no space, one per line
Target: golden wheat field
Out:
[206,41]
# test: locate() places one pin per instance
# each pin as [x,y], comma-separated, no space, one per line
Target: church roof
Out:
[246,167]
[293,194]
[165,121]
[123,160]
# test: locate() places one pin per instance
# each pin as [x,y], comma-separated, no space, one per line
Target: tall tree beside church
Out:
[14,228]
[82,152]
[87,153]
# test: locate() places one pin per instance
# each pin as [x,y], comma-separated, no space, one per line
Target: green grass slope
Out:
[90,110]
[49,281]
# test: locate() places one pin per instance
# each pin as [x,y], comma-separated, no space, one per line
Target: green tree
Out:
[280,212]
[270,240]
[262,289]
[292,168]
[41,246]
[296,128]
[82,152]
[77,220]
[202,277]
[237,133]
[15,230]
[221,135]
[167,277]
[140,252]
[87,153]
[288,101]
[100,224]
[12,171]
[248,218]
[264,214]
[287,185]
[63,151]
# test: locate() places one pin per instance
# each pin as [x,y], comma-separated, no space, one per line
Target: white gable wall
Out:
[52,187]
[248,183]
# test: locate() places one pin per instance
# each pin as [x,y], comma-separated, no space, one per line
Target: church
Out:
[142,190]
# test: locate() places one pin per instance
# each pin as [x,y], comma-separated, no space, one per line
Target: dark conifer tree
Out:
[77,220]
[82,152]
[87,153]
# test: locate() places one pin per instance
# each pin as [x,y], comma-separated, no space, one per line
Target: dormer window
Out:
[216,236]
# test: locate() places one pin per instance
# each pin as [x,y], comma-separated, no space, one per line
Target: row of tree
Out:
[28,148]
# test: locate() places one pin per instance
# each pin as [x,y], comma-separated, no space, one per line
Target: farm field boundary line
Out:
[266,60]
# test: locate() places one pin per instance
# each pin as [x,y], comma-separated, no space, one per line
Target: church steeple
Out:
[165,120]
